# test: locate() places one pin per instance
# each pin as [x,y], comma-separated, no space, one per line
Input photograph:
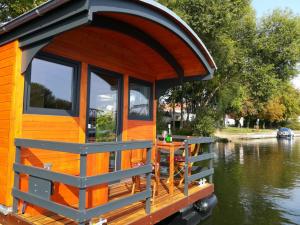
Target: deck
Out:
[122,207]
[163,206]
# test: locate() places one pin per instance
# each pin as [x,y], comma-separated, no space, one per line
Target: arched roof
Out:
[146,20]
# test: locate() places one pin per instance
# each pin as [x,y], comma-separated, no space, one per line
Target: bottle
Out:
[169,138]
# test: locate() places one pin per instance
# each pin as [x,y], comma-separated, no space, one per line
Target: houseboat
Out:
[79,83]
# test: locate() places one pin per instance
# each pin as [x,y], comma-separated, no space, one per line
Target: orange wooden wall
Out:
[10,57]
[89,50]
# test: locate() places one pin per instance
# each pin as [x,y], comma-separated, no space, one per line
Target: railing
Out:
[41,179]
[188,140]
[202,157]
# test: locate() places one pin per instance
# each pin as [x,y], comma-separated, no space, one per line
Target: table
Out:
[171,147]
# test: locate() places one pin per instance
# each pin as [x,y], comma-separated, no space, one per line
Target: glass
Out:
[51,85]
[103,108]
[139,104]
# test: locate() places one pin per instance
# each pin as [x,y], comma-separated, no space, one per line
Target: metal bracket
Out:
[40,187]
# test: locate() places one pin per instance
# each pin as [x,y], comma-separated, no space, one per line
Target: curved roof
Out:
[57,16]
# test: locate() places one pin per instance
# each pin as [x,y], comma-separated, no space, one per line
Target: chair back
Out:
[137,158]
[195,150]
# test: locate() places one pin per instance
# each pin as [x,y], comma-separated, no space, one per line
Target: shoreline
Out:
[224,136]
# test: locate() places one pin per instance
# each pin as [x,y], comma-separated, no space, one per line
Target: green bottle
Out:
[169,138]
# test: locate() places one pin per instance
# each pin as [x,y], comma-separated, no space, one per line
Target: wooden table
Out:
[171,147]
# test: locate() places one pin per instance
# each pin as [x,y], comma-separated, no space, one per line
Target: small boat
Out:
[284,132]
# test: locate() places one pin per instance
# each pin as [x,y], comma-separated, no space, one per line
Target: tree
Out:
[12,8]
[256,60]
[278,43]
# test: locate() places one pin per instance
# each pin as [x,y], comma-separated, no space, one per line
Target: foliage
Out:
[205,123]
[105,127]
[256,61]
[293,124]
[12,8]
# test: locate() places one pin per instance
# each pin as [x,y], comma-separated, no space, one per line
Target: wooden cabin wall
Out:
[10,57]
[103,49]
[136,129]
[89,50]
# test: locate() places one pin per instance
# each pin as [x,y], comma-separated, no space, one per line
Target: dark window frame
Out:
[74,112]
[119,77]
[145,83]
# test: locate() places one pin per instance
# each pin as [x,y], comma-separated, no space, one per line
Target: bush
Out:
[293,124]
[205,123]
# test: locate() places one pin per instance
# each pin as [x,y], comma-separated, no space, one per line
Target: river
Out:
[257,182]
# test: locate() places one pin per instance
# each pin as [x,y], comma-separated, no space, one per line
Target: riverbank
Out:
[233,133]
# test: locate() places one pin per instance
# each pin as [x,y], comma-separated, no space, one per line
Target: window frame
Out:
[74,112]
[147,84]
[119,77]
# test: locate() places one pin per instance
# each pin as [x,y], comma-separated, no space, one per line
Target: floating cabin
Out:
[79,83]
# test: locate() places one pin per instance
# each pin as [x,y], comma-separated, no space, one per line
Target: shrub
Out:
[205,123]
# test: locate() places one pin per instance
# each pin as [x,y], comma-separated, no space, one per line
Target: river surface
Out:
[257,182]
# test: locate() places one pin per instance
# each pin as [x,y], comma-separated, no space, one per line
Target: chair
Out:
[179,160]
[136,180]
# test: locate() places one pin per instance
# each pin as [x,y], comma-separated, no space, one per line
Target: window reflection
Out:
[139,100]
[51,85]
[103,108]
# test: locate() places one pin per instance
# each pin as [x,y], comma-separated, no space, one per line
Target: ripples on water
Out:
[257,182]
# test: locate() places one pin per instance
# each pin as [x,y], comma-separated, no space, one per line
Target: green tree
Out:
[256,60]
[12,8]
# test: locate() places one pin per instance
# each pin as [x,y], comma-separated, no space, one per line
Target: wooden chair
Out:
[136,180]
[179,161]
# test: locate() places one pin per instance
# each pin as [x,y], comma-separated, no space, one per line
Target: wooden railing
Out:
[202,157]
[189,140]
[40,179]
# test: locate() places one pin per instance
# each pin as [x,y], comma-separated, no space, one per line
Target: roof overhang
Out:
[37,28]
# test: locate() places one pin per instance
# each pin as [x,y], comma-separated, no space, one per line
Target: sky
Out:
[263,7]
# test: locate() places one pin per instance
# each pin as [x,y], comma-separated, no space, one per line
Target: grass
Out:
[236,130]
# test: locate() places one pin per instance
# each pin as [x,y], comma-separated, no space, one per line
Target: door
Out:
[104,114]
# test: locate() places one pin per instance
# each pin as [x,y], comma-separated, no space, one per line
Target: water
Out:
[257,182]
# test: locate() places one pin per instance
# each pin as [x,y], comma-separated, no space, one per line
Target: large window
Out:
[140,100]
[104,105]
[52,86]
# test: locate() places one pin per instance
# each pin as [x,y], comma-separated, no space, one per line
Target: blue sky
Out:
[264,6]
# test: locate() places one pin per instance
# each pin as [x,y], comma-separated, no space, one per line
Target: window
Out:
[52,86]
[140,100]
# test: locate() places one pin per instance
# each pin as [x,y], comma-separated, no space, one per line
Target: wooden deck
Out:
[163,206]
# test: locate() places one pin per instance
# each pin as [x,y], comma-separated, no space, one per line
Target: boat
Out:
[284,132]
[79,83]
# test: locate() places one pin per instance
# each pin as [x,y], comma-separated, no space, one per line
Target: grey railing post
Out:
[82,190]
[17,178]
[186,168]
[148,199]
[210,163]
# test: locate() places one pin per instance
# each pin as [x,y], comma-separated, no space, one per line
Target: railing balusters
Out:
[207,173]
[186,168]
[210,163]
[17,179]
[82,215]
[148,188]
[82,190]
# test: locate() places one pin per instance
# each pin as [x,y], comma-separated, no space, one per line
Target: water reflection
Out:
[257,182]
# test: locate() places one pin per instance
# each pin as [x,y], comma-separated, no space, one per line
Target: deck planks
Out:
[163,206]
